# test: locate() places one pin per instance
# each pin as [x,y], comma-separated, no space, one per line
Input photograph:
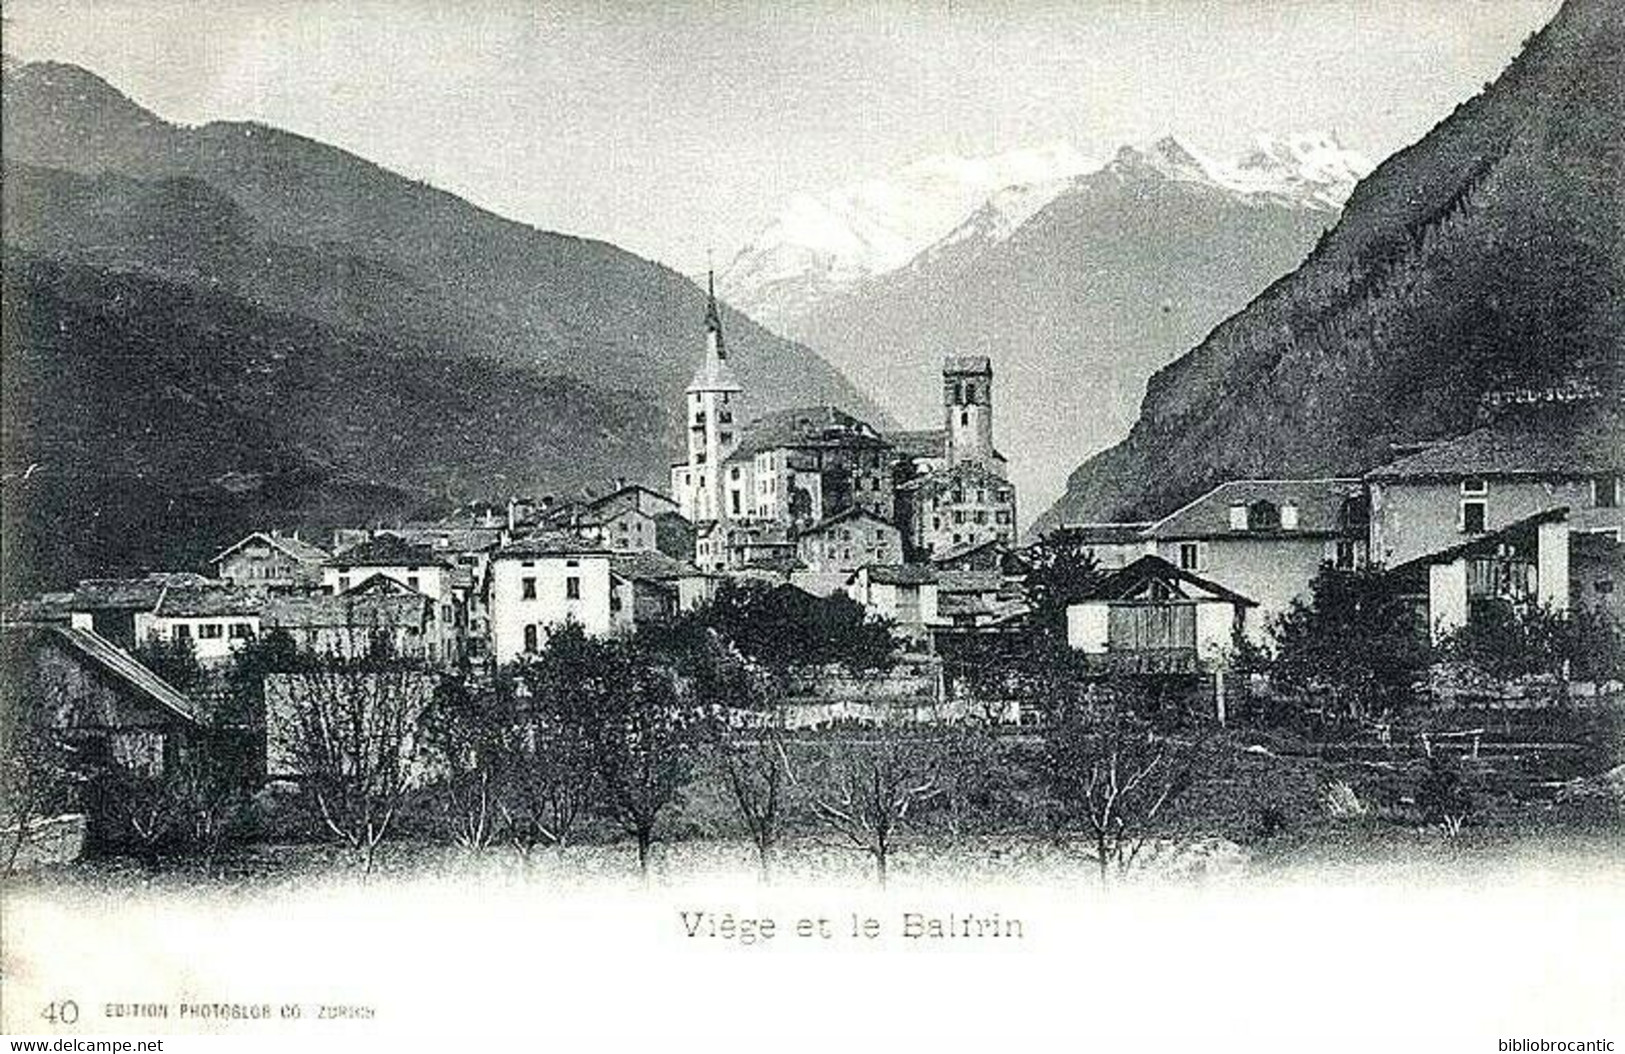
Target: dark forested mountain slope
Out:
[330,340]
[145,421]
[1488,258]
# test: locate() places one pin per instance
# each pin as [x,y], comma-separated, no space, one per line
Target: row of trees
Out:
[1361,650]
[618,732]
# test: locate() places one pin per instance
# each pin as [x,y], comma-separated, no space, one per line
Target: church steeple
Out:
[713,318]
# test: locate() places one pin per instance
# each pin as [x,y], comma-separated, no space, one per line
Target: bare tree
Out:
[1112,775]
[355,724]
[866,786]
[37,765]
[626,706]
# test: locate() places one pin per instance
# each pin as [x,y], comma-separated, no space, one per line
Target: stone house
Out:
[848,540]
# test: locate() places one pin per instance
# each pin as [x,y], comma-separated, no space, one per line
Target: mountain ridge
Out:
[1485,256]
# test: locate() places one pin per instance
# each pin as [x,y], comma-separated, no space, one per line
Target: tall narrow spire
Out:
[713,317]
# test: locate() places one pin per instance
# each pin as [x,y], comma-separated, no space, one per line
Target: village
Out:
[811,525]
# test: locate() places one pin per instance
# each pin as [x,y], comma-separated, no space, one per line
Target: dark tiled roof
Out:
[964,472]
[844,516]
[213,602]
[1126,581]
[632,496]
[653,567]
[379,585]
[449,539]
[140,594]
[125,667]
[899,574]
[969,581]
[387,550]
[552,543]
[1513,450]
[964,549]
[823,427]
[1325,507]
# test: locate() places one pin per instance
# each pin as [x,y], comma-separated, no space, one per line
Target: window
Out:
[733,473]
[1345,555]
[183,632]
[959,517]
[936,523]
[530,639]
[1238,517]
[344,584]
[1190,556]
[572,588]
[211,631]
[1289,517]
[725,438]
[1605,492]
[981,515]
[412,583]
[242,631]
[1002,516]
[572,563]
[733,497]
[964,417]
[1474,485]
[1472,517]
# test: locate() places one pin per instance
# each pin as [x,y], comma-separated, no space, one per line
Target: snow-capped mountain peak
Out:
[824,243]
[1303,170]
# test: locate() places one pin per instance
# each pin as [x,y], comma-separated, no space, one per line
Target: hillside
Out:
[462,278]
[1077,303]
[462,355]
[1486,258]
[145,421]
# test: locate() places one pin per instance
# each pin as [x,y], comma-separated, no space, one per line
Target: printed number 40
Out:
[63,1013]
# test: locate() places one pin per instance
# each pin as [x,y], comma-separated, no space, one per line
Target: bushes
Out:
[1353,646]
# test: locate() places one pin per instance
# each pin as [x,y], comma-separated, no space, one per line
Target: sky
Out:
[678,130]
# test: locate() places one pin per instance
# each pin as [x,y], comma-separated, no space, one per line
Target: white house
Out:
[216,621]
[543,581]
[1267,539]
[906,594]
[1152,616]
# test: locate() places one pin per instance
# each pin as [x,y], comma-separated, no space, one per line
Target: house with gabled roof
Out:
[99,697]
[905,594]
[1155,617]
[109,606]
[215,621]
[1266,538]
[271,560]
[848,540]
[352,624]
[1524,563]
[649,586]
[1493,476]
[424,570]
